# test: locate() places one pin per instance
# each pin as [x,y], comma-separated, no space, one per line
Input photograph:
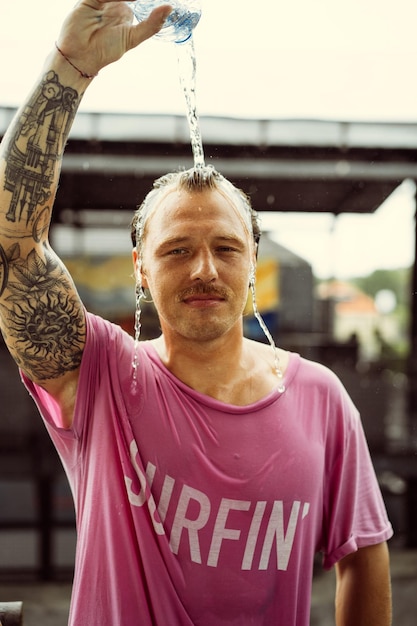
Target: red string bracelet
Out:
[83,74]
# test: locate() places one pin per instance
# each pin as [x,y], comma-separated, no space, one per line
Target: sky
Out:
[350,245]
[266,59]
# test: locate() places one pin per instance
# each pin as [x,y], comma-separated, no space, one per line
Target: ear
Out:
[139,273]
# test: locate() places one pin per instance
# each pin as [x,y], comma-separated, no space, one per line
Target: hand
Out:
[99,32]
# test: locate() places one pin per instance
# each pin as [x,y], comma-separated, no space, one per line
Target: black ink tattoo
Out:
[7,257]
[41,224]
[37,147]
[43,317]
[3,270]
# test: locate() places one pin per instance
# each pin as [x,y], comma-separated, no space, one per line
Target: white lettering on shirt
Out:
[194,513]
[142,497]
[253,535]
[284,541]
[220,530]
[181,522]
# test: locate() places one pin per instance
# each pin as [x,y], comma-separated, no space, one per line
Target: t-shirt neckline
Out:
[273,396]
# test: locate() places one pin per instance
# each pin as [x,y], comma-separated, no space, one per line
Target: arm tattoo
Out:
[37,146]
[42,317]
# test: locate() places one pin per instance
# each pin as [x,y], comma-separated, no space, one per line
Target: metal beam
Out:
[258,168]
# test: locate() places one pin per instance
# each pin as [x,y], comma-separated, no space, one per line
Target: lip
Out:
[202,301]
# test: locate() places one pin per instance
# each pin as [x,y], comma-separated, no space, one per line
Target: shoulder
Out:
[109,349]
[298,369]
[103,334]
[315,390]
[265,353]
[316,373]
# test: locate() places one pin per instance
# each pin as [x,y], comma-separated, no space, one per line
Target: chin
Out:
[208,332]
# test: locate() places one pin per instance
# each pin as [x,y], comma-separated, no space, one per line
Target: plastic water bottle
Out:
[179,25]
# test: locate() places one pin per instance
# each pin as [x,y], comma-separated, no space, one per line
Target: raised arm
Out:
[41,316]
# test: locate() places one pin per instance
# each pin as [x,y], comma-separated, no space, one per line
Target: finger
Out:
[149,27]
[94,4]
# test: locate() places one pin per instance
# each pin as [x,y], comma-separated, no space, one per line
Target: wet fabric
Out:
[195,512]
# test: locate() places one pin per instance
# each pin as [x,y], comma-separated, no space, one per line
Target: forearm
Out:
[363,593]
[94,35]
[31,152]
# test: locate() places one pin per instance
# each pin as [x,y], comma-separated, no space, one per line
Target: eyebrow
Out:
[174,241]
[232,239]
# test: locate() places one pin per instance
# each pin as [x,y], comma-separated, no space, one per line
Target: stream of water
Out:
[187,64]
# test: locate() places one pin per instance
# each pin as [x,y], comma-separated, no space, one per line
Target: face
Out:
[196,261]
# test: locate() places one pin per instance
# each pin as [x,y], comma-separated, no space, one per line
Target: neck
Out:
[231,369]
[189,358]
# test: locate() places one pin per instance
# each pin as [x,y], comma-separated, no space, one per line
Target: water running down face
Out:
[185,215]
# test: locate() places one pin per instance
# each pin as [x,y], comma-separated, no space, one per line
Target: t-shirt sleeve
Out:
[354,511]
[99,336]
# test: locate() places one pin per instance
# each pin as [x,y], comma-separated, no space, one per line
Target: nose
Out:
[204,266]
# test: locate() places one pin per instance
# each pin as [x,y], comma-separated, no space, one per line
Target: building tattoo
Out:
[37,147]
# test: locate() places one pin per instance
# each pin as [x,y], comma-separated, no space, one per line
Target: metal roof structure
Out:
[112,159]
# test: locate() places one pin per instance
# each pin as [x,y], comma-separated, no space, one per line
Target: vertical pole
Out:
[45,527]
[412,400]
[412,361]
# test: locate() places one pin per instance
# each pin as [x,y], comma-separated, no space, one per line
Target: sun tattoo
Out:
[43,319]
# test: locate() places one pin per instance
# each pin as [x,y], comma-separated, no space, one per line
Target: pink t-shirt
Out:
[195,512]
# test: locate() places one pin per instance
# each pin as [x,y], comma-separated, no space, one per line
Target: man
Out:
[207,469]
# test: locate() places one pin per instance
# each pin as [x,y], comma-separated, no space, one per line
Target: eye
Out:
[226,249]
[177,252]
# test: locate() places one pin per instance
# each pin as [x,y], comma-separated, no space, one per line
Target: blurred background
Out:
[310,108]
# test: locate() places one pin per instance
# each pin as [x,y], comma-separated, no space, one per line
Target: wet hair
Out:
[198,179]
[195,179]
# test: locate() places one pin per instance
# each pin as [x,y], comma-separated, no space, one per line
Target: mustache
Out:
[203,290]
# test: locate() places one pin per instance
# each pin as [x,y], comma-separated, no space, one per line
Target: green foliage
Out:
[398,281]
